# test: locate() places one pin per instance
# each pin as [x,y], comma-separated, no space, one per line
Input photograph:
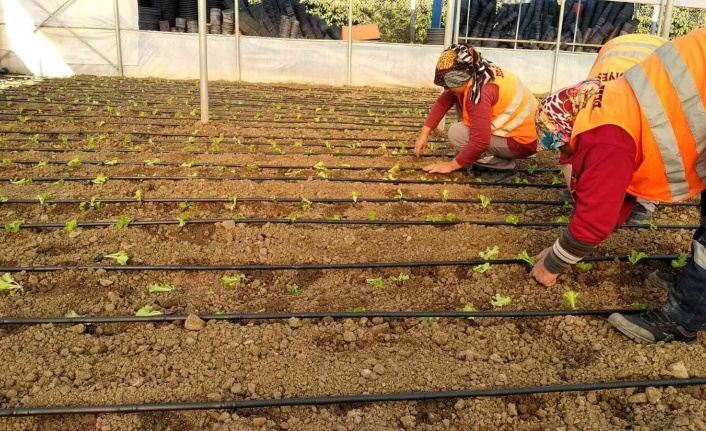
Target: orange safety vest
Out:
[513,114]
[622,53]
[661,103]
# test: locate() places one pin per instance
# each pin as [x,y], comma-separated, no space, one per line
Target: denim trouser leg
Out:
[687,301]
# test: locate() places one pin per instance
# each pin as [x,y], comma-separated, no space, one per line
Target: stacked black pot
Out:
[168,9]
[148,18]
[188,9]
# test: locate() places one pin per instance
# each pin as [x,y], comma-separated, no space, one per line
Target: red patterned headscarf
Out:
[460,63]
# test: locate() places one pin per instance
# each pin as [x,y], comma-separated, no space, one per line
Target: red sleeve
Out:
[603,165]
[442,105]
[481,121]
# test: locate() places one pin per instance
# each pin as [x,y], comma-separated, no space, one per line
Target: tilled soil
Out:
[49,365]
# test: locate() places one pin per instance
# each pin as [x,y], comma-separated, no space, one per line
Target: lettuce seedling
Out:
[183,217]
[563,220]
[401,279]
[512,219]
[147,311]
[138,196]
[14,227]
[375,282]
[156,288]
[123,221]
[75,162]
[320,166]
[43,198]
[120,257]
[489,253]
[42,163]
[100,179]
[357,310]
[395,168]
[336,217]
[584,266]
[295,290]
[481,268]
[445,194]
[681,261]
[636,256]
[571,298]
[399,194]
[521,209]
[526,257]
[484,201]
[233,199]
[232,280]
[8,283]
[450,217]
[519,180]
[500,301]
[185,206]
[372,216]
[111,162]
[292,217]
[306,204]
[21,181]
[4,198]
[556,181]
[531,169]
[434,218]
[651,225]
[355,196]
[71,314]
[71,225]
[666,210]
[469,308]
[568,205]
[188,164]
[153,162]
[638,306]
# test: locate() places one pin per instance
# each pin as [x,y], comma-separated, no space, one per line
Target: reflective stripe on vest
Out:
[624,54]
[660,125]
[502,124]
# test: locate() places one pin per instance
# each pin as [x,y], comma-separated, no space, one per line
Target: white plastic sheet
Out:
[76,14]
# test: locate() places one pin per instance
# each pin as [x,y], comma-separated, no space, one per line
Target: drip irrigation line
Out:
[312,315]
[313,200]
[306,267]
[233,178]
[346,399]
[298,221]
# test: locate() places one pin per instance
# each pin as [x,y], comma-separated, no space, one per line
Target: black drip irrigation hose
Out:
[344,180]
[346,399]
[307,267]
[441,223]
[311,315]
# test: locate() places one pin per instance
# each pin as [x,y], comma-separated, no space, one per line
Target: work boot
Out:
[661,280]
[640,215]
[498,176]
[651,327]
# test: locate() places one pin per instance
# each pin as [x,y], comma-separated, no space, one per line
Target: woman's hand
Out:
[539,271]
[443,168]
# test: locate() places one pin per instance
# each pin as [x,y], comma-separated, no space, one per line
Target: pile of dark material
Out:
[592,22]
[270,18]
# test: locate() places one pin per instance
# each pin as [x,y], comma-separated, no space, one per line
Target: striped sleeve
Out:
[566,251]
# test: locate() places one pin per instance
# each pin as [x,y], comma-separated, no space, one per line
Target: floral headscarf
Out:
[460,63]
[556,114]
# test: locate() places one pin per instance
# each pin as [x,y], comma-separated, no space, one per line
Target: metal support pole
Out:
[412,20]
[238,73]
[468,18]
[576,24]
[118,42]
[203,61]
[448,34]
[668,12]
[558,44]
[350,43]
[457,21]
[517,29]
[654,25]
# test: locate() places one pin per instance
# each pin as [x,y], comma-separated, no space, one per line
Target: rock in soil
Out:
[194,323]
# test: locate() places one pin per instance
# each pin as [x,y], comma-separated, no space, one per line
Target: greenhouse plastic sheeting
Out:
[76,14]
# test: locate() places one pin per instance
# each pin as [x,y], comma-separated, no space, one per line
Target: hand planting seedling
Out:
[481,268]
[147,311]
[512,219]
[571,298]
[14,227]
[123,221]
[306,204]
[232,280]
[296,290]
[500,301]
[100,179]
[7,283]
[183,217]
[70,225]
[681,261]
[636,256]
[156,288]
[375,282]
[484,201]
[584,266]
[75,162]
[43,198]
[526,257]
[120,257]
[489,253]
[399,280]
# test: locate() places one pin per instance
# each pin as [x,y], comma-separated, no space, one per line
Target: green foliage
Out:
[9,284]
[638,306]
[123,221]
[357,310]
[484,201]
[75,162]
[372,216]
[306,204]
[681,261]
[183,217]
[233,199]
[584,266]
[295,290]
[147,311]
[667,210]
[100,179]
[14,227]
[469,308]
[375,282]
[500,301]
[450,217]
[43,198]
[526,257]
[636,256]
[111,162]
[399,194]
[232,280]
[489,253]
[21,181]
[445,195]
[481,268]
[120,257]
[401,279]
[156,288]
[512,219]
[138,196]
[571,298]
[71,314]
[185,206]
[434,218]
[521,209]
[563,220]
[531,169]
[355,195]
[70,225]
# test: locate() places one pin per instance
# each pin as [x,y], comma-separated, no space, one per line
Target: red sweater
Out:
[481,122]
[603,164]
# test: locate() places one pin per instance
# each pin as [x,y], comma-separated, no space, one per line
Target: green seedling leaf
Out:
[667,210]
[481,268]
[394,169]
[156,288]
[337,217]
[468,308]
[526,257]
[372,216]
[584,266]
[120,257]
[233,199]
[75,162]
[71,314]
[375,282]
[9,284]
[638,306]
[651,225]
[21,181]
[153,162]
[123,221]
[14,227]
[450,217]
[71,225]
[531,169]
[399,194]
[512,219]
[556,181]
[95,203]
[320,166]
[100,179]
[138,196]
[571,298]
[355,196]
[636,256]
[489,253]
[484,201]
[445,194]
[568,205]
[4,198]
[42,163]
[401,279]
[183,217]
[185,206]
[519,180]
[357,310]
[306,204]
[500,301]
[295,290]
[521,209]
[681,261]
[111,162]
[188,164]
[292,217]
[43,198]
[147,311]
[563,220]
[434,218]
[232,280]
